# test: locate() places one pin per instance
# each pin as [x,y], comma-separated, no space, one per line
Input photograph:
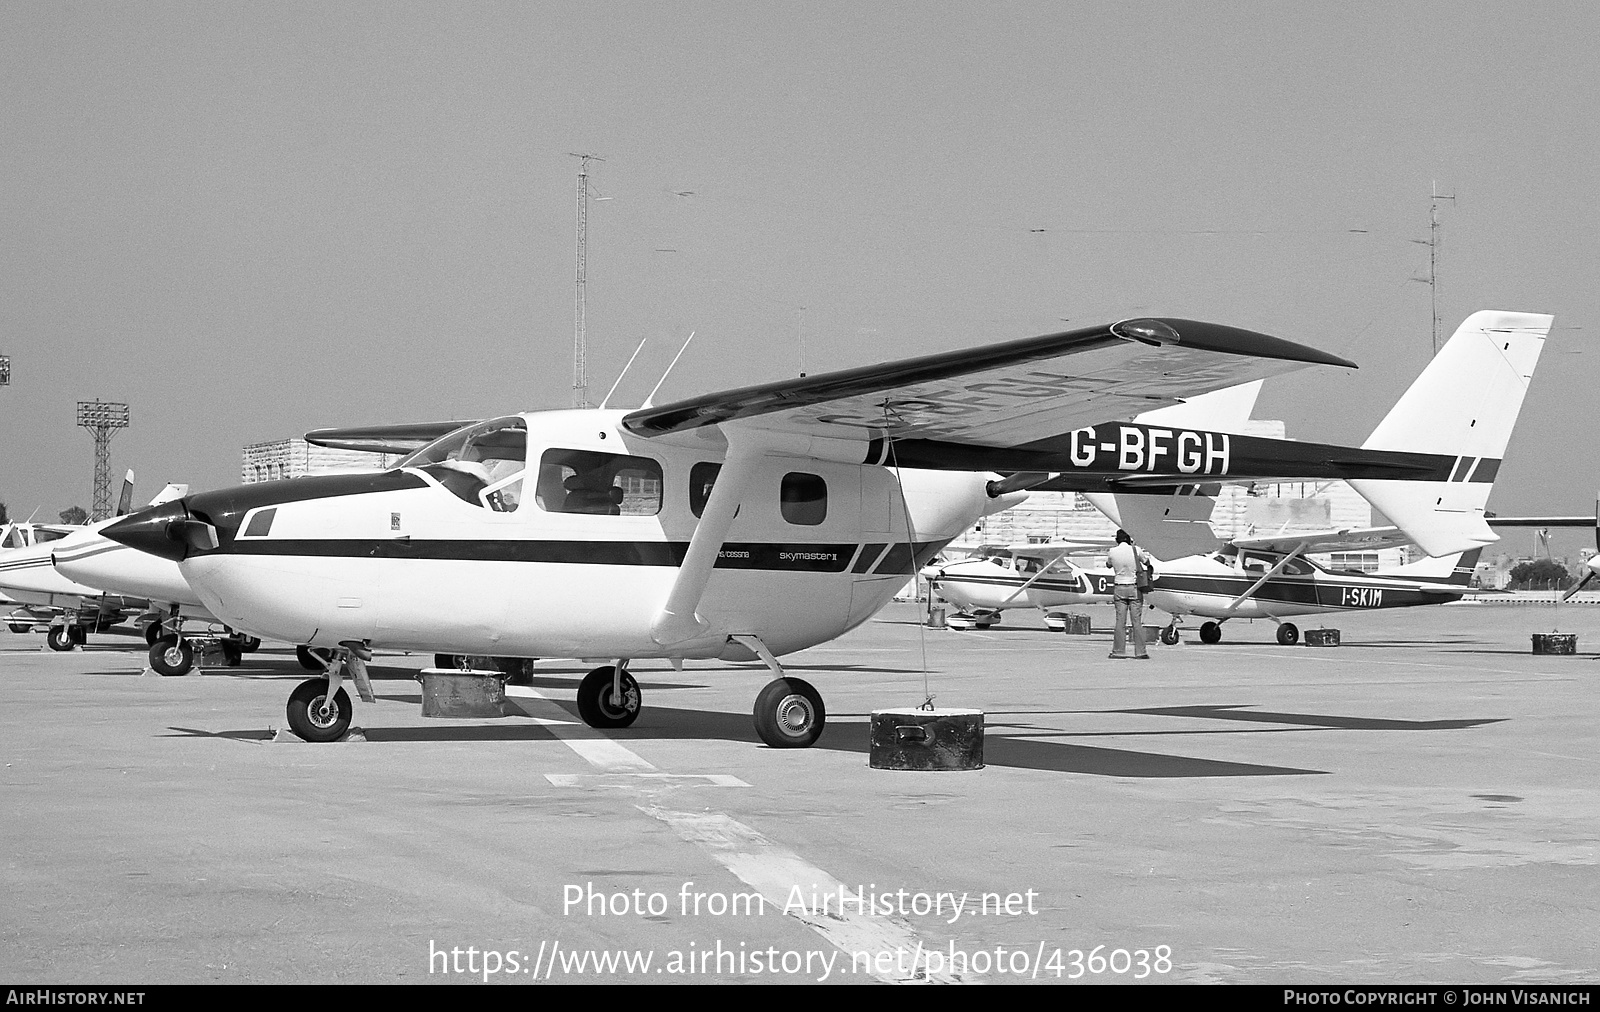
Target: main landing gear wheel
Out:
[789,713]
[59,638]
[1288,634]
[171,656]
[598,704]
[311,718]
[249,644]
[152,632]
[19,628]
[1211,632]
[1169,635]
[312,658]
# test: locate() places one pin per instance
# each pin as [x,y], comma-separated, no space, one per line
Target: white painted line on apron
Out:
[632,779]
[782,877]
[785,879]
[601,752]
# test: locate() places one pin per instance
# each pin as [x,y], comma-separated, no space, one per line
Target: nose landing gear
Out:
[319,709]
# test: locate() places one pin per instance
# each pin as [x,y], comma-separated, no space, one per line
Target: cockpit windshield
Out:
[482,464]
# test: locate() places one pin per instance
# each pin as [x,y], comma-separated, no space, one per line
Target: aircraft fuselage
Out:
[567,546]
[1207,586]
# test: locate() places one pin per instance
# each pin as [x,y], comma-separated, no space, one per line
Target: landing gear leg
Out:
[789,712]
[609,697]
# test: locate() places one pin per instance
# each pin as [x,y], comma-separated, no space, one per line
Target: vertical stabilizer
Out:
[1463,406]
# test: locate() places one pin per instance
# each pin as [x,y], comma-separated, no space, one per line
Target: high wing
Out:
[1004,394]
[1025,406]
[1348,539]
[401,438]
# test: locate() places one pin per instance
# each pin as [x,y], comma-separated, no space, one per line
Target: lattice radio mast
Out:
[580,335]
[1433,257]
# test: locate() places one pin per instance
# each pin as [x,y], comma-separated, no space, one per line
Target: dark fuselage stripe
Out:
[810,558]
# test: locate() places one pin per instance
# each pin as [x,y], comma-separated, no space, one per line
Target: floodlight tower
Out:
[102,419]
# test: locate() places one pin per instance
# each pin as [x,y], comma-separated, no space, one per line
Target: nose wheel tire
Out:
[58,638]
[1169,635]
[171,656]
[789,713]
[1288,634]
[312,718]
[598,704]
[1211,632]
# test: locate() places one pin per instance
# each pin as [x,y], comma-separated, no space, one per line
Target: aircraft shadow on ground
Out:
[1239,711]
[1021,747]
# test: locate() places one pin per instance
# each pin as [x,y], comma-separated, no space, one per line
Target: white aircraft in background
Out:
[15,536]
[1463,407]
[89,559]
[68,610]
[738,525]
[1041,576]
[75,579]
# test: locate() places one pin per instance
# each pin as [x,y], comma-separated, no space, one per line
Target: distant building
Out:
[295,458]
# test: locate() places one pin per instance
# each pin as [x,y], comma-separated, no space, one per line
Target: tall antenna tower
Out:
[102,419]
[1433,256]
[580,335]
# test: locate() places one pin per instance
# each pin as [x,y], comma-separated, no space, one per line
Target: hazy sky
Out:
[249,220]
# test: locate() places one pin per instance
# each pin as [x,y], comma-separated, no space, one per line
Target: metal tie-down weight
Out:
[910,738]
[455,693]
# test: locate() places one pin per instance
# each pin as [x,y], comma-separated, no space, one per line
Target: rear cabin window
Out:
[602,484]
[701,477]
[803,498]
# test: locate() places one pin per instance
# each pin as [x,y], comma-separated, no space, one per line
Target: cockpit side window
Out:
[482,464]
[603,484]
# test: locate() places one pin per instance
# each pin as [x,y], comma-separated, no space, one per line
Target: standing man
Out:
[1126,563]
